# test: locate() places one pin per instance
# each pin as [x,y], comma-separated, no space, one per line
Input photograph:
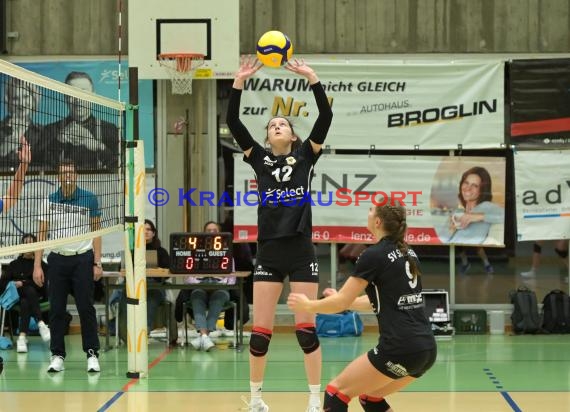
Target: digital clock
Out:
[201,253]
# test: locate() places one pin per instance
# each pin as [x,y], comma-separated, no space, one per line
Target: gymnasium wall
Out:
[87,27]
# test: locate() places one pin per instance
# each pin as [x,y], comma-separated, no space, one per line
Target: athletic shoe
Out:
[56,364]
[259,406]
[44,331]
[207,343]
[93,364]
[313,409]
[530,274]
[464,269]
[197,343]
[489,269]
[215,333]
[22,344]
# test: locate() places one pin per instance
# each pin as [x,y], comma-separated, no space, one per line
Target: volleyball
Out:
[274,49]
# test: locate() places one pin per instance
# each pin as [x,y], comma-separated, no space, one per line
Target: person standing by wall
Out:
[74,267]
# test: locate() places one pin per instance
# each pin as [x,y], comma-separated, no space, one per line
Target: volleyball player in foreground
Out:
[389,274]
[283,173]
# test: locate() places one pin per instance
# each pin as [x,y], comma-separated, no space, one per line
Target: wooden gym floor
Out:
[473,373]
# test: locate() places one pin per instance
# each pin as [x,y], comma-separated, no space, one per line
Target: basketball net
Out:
[180,68]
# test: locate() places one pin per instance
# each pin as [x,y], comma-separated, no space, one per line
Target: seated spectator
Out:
[208,304]
[21,271]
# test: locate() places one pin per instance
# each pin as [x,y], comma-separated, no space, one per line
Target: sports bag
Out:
[525,317]
[556,312]
[10,296]
[347,323]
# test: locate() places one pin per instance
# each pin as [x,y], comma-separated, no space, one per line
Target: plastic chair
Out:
[229,305]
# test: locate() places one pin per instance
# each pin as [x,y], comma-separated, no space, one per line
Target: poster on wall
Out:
[104,78]
[540,103]
[387,105]
[542,180]
[448,200]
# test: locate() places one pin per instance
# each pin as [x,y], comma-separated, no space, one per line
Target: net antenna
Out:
[180,68]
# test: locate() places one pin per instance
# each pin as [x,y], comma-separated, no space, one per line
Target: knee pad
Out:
[562,253]
[307,337]
[335,401]
[259,341]
[371,404]
[537,248]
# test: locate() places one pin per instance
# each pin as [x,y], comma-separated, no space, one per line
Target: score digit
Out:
[189,263]
[218,243]
[224,264]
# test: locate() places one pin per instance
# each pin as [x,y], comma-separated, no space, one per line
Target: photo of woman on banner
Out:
[476,213]
[471,222]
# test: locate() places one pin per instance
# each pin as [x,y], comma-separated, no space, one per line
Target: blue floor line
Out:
[499,386]
[511,402]
[111,401]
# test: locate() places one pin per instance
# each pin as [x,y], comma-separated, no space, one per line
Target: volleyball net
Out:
[62,160]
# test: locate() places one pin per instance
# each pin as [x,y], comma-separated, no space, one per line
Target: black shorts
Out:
[289,256]
[398,366]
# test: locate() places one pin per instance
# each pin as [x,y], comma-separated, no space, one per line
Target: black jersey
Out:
[396,299]
[283,182]
[284,187]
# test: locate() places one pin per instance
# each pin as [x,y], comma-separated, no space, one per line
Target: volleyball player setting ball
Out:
[284,223]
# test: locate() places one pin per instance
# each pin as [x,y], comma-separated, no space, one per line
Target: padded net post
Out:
[180,68]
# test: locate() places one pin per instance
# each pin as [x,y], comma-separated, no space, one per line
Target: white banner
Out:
[387,105]
[543,194]
[345,186]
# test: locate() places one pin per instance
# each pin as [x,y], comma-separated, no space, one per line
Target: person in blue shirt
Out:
[73,267]
[15,188]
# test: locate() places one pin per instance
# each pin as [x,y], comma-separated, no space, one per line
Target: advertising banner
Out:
[387,105]
[543,194]
[449,200]
[540,106]
[104,75]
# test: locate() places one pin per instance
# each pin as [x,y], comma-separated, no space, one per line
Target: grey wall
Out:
[64,27]
[89,27]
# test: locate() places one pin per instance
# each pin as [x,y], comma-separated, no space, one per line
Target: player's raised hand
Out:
[249,65]
[300,67]
[24,152]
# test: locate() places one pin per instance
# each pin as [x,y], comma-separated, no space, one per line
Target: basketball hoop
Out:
[180,68]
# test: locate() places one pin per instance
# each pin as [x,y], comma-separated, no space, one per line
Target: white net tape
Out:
[180,69]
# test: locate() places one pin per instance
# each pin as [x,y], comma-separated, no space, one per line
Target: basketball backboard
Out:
[184,26]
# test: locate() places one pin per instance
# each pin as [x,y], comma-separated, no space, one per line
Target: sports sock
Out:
[255,392]
[315,396]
